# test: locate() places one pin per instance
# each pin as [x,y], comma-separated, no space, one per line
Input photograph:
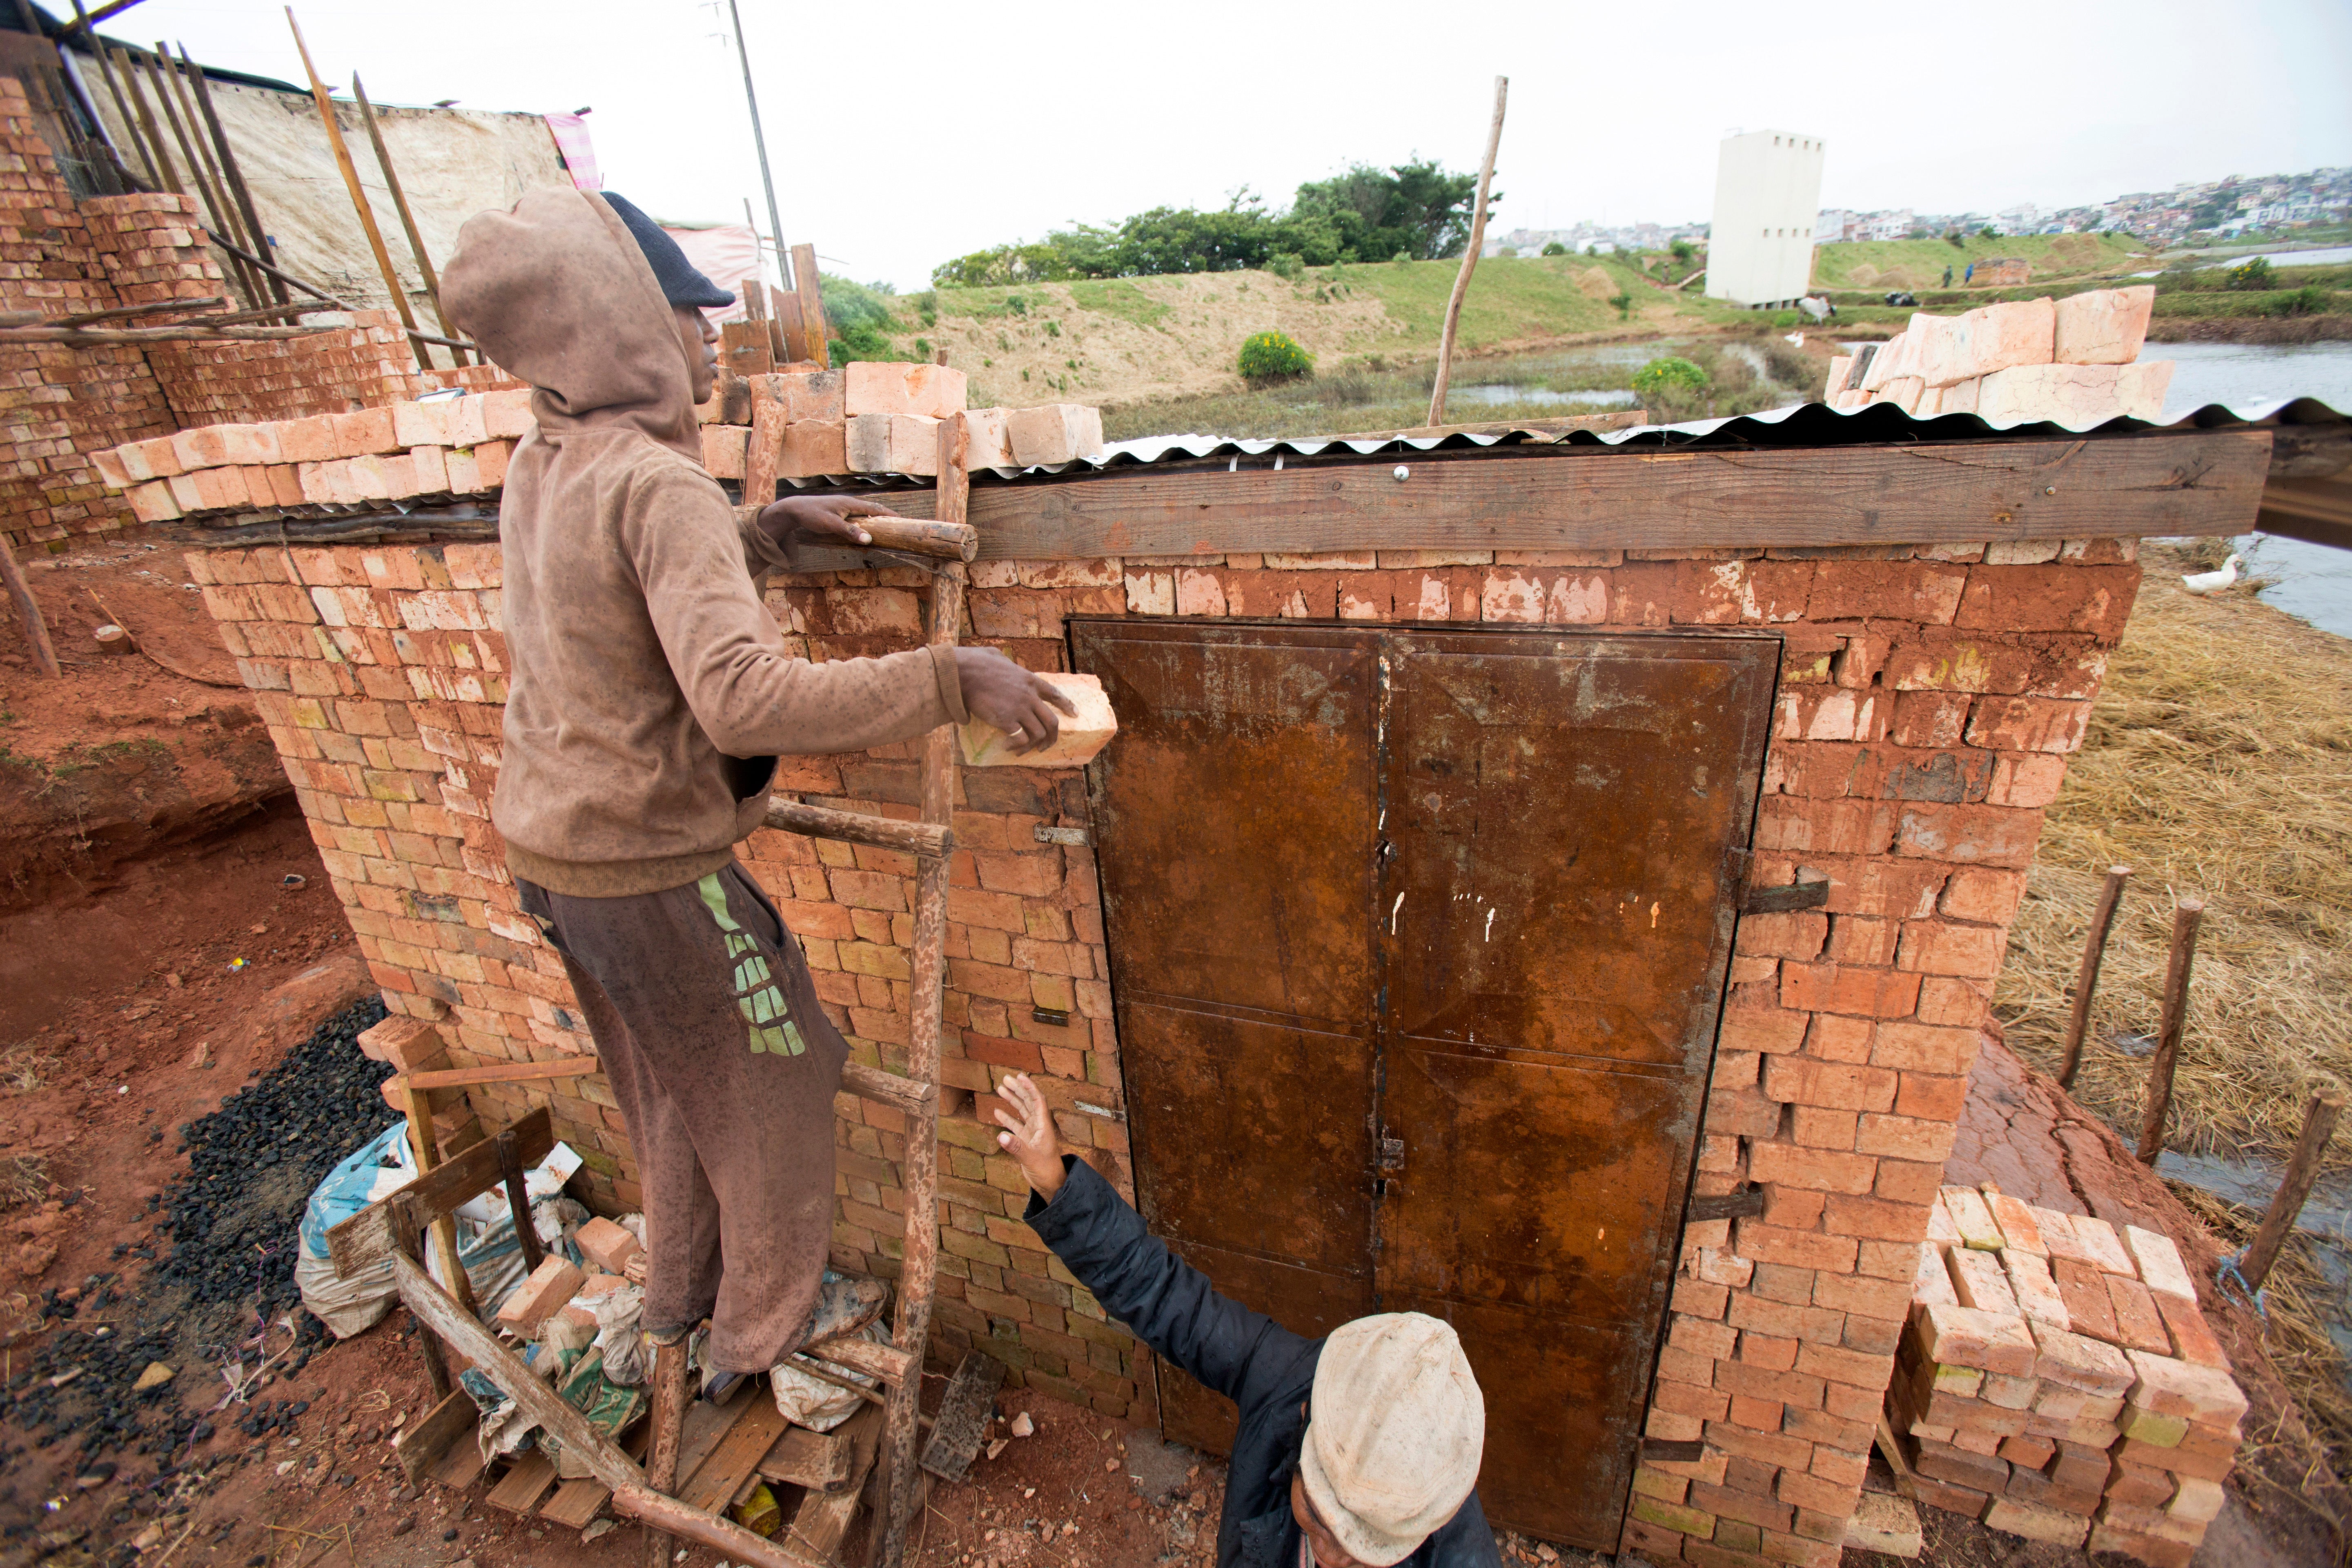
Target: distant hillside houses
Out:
[2221,208]
[1592,237]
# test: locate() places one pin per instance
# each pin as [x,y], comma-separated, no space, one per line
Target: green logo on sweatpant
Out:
[756,997]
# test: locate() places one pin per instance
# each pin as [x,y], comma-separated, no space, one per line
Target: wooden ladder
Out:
[942,546]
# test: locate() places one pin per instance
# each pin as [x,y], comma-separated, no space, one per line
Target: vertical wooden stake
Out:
[173,92]
[407,219]
[359,198]
[808,287]
[669,1423]
[114,90]
[1469,258]
[2294,1188]
[28,610]
[2094,952]
[419,1106]
[2186,915]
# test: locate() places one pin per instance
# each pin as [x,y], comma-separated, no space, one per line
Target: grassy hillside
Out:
[1919,263]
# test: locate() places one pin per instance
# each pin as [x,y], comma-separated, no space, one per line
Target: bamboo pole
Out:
[28,610]
[2294,1188]
[2094,952]
[2186,915]
[260,241]
[359,197]
[407,219]
[1469,258]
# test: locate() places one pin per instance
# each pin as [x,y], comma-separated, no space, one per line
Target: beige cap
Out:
[1395,1436]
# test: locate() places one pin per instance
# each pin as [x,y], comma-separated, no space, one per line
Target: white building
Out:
[1768,189]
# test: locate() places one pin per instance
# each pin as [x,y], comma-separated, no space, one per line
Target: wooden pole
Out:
[2094,952]
[311,288]
[407,219]
[200,152]
[37,630]
[775,224]
[252,217]
[2294,1188]
[419,1109]
[137,90]
[359,197]
[1469,258]
[170,91]
[2186,915]
[920,1171]
[114,91]
[669,1423]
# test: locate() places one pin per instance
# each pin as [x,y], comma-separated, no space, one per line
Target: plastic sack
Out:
[486,1245]
[814,1403]
[618,1311]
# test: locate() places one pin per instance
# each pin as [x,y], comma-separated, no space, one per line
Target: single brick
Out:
[2077,1362]
[1979,1281]
[2018,1230]
[2003,1391]
[2138,1324]
[554,1282]
[1967,1337]
[2085,1291]
[2103,1245]
[2169,1386]
[1973,1218]
[2193,1337]
[2160,1267]
[2036,1291]
[2037,1523]
[608,1246]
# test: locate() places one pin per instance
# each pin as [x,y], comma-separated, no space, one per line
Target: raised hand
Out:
[1029,1135]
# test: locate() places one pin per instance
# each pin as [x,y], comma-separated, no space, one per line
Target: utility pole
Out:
[760,141]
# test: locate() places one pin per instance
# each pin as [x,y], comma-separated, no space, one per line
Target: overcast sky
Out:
[902,136]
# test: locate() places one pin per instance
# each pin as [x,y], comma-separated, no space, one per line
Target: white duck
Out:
[2212,581]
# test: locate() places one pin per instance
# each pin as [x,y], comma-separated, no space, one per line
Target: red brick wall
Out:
[1929,698]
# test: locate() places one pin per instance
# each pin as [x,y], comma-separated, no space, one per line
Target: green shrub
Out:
[1272,356]
[2308,301]
[1401,258]
[1668,379]
[1555,248]
[1784,319]
[1287,265]
[1053,329]
[1625,303]
[1682,249]
[2250,275]
[1016,303]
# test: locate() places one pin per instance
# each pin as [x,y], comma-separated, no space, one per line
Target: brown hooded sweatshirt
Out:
[649,688]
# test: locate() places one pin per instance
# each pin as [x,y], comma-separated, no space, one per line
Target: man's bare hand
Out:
[1029,1135]
[819,519]
[1000,692]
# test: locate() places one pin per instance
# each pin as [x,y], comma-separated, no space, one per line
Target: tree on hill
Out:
[1414,209]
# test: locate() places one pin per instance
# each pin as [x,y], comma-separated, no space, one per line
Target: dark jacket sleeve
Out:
[1164,1301]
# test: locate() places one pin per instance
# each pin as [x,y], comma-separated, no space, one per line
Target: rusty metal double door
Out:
[1418,939]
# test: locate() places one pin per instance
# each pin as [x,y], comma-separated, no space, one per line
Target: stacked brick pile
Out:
[878,418]
[2074,362]
[450,446]
[2058,1382]
[57,402]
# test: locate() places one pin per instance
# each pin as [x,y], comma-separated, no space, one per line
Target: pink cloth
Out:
[726,255]
[579,154]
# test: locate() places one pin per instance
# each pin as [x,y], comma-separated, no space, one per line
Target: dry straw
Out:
[2219,764]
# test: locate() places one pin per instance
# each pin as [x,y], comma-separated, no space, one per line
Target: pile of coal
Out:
[220,1271]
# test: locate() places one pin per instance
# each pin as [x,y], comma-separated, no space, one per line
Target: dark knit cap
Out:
[680,283]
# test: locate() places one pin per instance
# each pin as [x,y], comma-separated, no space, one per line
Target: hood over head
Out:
[557,292]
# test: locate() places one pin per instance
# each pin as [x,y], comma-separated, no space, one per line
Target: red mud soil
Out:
[123,754]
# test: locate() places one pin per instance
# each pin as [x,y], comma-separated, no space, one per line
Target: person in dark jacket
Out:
[1358,1450]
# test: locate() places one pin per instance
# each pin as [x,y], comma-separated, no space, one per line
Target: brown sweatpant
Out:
[725,1067]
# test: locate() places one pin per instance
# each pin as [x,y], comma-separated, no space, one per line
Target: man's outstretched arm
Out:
[1164,1301]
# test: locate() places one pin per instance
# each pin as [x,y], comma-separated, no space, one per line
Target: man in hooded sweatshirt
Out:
[649,694]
